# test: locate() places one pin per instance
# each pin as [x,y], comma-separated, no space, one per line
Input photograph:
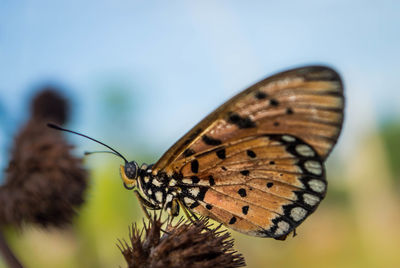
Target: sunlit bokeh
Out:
[140,74]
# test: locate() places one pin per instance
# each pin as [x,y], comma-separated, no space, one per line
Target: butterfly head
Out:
[129,174]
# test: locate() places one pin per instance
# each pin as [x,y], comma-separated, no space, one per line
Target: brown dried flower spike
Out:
[44,182]
[185,245]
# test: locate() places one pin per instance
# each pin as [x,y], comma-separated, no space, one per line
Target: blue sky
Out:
[178,60]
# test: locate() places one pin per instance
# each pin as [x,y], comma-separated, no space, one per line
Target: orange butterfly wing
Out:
[256,163]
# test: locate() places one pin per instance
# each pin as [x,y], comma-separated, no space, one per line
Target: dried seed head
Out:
[44,182]
[183,245]
[49,105]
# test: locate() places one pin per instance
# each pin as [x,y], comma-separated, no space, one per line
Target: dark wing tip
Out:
[322,73]
[311,73]
[316,72]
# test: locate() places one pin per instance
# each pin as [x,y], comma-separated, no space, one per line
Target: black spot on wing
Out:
[195,204]
[194,166]
[274,102]
[195,179]
[211,180]
[251,153]
[260,95]
[232,220]
[188,152]
[202,193]
[245,172]
[241,122]
[211,141]
[245,210]
[242,192]
[221,153]
[289,111]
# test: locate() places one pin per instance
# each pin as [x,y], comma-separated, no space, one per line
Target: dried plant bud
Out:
[49,105]
[44,182]
[182,245]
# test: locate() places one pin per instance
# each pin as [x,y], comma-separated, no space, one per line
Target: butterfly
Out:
[255,164]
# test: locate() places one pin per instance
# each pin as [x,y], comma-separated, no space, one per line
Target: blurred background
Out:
[142,73]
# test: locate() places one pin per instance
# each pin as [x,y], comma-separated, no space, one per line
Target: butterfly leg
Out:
[174,208]
[188,213]
[144,204]
[294,232]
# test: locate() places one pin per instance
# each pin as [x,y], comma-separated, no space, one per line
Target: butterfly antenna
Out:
[77,133]
[95,152]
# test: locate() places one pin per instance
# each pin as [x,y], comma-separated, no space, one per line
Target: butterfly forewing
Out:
[256,163]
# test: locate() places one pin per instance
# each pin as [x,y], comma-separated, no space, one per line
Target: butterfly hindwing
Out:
[256,163]
[258,181]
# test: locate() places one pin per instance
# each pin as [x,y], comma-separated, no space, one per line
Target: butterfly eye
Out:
[131,170]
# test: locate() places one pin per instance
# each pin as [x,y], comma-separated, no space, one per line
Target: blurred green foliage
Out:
[391,138]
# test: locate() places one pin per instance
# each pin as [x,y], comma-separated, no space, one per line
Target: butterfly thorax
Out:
[168,192]
[154,188]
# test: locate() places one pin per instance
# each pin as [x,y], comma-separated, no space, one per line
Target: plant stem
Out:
[7,253]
